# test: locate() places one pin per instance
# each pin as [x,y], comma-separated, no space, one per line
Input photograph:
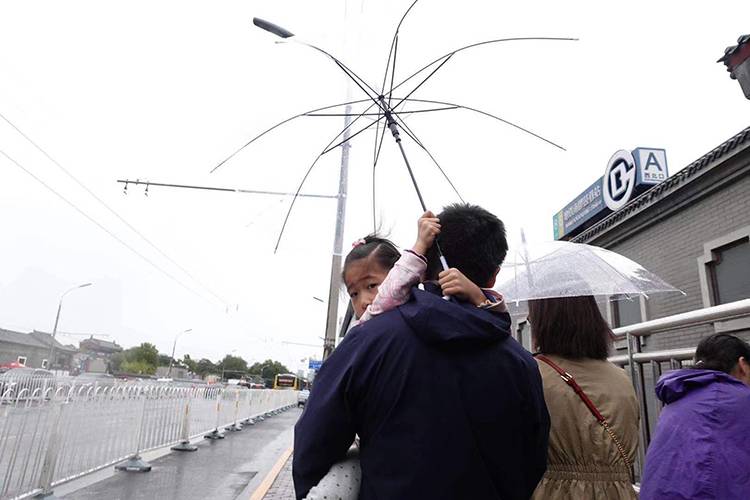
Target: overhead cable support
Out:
[113,211]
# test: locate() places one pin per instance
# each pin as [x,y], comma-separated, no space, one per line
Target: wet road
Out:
[224,469]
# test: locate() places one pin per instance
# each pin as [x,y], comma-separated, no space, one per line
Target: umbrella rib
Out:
[420,83]
[490,115]
[393,44]
[477,44]
[304,179]
[379,113]
[393,70]
[282,123]
[330,148]
[412,135]
[374,165]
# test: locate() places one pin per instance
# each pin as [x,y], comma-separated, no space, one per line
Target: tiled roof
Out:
[102,343]
[666,187]
[46,339]
[20,338]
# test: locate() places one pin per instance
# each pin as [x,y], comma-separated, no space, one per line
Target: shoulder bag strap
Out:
[568,379]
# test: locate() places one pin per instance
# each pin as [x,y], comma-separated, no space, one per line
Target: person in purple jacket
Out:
[701,448]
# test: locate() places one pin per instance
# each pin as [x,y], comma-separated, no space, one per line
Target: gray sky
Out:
[164,90]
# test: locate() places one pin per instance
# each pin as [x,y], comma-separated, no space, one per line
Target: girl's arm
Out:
[407,272]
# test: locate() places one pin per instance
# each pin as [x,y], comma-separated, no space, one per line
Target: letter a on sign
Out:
[652,161]
[652,165]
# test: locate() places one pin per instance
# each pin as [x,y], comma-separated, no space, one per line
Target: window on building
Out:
[730,272]
[625,311]
[45,364]
[22,360]
[523,333]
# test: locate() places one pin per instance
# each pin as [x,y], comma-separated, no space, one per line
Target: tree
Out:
[268,369]
[233,366]
[146,352]
[164,360]
[205,367]
[142,359]
[140,367]
[116,361]
[189,363]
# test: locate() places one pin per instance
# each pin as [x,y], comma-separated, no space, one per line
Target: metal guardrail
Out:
[645,368]
[52,431]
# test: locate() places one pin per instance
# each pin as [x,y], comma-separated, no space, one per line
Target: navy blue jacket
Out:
[446,404]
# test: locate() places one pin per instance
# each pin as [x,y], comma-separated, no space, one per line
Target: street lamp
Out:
[171,358]
[737,60]
[57,320]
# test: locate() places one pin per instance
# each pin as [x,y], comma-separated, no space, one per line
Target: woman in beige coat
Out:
[585,460]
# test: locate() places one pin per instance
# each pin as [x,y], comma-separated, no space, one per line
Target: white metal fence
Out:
[52,431]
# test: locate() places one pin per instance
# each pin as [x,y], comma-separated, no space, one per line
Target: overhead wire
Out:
[113,211]
[102,227]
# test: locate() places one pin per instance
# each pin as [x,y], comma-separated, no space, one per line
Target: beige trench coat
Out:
[582,460]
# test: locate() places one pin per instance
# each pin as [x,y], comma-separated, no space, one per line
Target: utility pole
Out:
[57,320]
[338,242]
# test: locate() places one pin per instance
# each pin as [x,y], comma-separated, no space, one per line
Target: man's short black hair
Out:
[472,240]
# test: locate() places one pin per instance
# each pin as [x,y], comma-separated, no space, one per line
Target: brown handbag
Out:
[568,379]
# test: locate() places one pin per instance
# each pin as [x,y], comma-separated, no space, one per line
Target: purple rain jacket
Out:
[701,448]
[446,404]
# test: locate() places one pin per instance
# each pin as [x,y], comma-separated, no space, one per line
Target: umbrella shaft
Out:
[394,130]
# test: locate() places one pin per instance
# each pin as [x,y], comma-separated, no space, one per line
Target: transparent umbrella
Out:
[564,269]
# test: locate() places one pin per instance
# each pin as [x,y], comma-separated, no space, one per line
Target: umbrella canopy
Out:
[564,269]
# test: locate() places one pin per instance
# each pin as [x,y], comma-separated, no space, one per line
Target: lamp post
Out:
[171,358]
[335,282]
[57,320]
[737,60]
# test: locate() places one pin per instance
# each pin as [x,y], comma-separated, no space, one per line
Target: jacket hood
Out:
[439,321]
[677,384]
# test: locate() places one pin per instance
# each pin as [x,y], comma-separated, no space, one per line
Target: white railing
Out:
[645,368]
[52,431]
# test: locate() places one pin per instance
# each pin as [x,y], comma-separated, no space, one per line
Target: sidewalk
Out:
[283,486]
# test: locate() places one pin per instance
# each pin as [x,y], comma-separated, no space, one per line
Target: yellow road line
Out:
[261,491]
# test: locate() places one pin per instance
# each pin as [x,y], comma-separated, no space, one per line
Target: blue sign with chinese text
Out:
[315,364]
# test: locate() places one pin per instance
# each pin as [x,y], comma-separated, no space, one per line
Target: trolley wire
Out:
[113,211]
[102,227]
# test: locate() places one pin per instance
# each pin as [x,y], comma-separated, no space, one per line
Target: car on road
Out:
[94,379]
[24,382]
[302,397]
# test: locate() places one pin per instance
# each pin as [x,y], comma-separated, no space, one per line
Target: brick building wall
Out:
[668,236]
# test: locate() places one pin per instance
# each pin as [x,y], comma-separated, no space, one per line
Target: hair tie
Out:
[359,242]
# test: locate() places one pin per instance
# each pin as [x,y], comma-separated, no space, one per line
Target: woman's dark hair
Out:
[720,352]
[381,250]
[571,327]
[472,240]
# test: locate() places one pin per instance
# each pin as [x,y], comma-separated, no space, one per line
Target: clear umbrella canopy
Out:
[564,269]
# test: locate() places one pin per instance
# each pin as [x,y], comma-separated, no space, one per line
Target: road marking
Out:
[261,491]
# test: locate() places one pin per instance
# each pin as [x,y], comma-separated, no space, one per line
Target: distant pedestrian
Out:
[445,403]
[592,405]
[701,448]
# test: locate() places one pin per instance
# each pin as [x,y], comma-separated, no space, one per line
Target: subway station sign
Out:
[628,174]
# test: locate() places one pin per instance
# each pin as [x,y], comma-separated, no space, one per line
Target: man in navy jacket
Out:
[445,402]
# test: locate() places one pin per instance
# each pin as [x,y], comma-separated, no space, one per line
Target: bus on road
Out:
[289,381]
